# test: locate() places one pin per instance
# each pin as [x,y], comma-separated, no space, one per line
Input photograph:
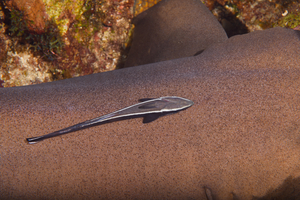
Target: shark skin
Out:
[159,36]
[241,138]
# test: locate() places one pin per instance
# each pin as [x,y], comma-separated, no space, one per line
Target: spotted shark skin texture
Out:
[240,139]
[173,29]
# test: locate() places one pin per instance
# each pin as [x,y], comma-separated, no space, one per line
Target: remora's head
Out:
[176,103]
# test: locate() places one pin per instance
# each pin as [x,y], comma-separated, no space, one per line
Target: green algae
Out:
[85,19]
[56,8]
[47,44]
[83,16]
[290,21]
[18,24]
[80,37]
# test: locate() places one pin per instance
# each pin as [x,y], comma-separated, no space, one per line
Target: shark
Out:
[240,139]
[149,108]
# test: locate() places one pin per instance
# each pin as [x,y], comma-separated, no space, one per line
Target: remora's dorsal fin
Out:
[145,99]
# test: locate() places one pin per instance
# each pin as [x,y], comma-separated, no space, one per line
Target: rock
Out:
[34,13]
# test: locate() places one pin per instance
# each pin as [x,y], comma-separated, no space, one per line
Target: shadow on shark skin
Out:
[288,190]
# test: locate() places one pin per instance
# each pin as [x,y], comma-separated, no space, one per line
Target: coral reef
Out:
[290,21]
[253,14]
[78,38]
[142,5]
